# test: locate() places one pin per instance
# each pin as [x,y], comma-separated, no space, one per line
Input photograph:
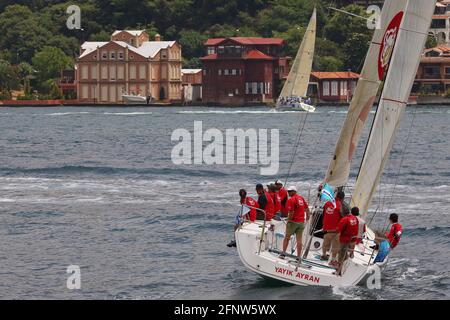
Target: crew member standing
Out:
[331,218]
[265,202]
[297,207]
[283,196]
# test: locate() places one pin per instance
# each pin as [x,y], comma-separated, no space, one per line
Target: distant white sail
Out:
[404,41]
[363,100]
[298,79]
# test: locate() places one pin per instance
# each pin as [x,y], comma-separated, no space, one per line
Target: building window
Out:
[221,49]
[226,72]
[240,72]
[211,50]
[236,91]
[112,55]
[120,55]
[164,54]
[220,72]
[334,88]
[234,72]
[104,55]
[205,72]
[343,88]
[326,88]
[432,72]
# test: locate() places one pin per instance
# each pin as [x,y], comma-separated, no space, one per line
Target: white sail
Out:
[298,79]
[363,100]
[406,51]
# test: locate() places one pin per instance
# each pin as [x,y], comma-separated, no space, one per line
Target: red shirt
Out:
[283,196]
[276,201]
[270,208]
[298,205]
[395,234]
[331,216]
[251,203]
[348,229]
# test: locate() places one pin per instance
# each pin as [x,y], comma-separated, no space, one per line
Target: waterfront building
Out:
[192,85]
[129,64]
[242,70]
[333,86]
[433,76]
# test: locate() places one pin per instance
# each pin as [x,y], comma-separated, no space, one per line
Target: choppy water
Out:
[96,187]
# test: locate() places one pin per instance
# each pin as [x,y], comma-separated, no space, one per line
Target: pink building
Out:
[129,64]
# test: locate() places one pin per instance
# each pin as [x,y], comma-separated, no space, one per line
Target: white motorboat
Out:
[393,59]
[134,99]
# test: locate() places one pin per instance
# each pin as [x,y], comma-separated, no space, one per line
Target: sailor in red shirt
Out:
[297,207]
[348,232]
[276,200]
[331,218]
[361,230]
[252,205]
[283,197]
[265,203]
[395,234]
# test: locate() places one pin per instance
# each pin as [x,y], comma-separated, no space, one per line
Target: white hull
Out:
[312,271]
[134,99]
[300,106]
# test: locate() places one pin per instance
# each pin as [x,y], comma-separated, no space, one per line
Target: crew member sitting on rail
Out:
[297,207]
[283,196]
[361,230]
[251,204]
[265,203]
[331,218]
[395,234]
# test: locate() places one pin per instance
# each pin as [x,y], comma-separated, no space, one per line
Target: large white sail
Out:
[298,79]
[363,100]
[406,50]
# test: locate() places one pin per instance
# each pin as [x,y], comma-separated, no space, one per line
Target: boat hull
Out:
[134,99]
[311,272]
[297,106]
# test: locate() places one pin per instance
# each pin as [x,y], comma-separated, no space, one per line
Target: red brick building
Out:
[433,75]
[334,86]
[243,70]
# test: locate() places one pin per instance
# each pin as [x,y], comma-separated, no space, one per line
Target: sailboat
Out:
[294,92]
[393,59]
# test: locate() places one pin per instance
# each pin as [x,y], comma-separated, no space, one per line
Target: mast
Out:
[298,78]
[402,45]
[365,95]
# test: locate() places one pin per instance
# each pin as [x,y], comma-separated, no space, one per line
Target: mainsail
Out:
[362,102]
[402,45]
[297,82]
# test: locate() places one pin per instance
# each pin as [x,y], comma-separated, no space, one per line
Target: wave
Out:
[112,171]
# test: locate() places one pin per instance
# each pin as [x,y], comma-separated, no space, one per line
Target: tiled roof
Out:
[247,41]
[148,49]
[336,75]
[132,32]
[257,55]
[210,57]
[190,71]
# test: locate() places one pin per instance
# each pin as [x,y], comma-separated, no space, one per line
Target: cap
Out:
[292,188]
[278,182]
[271,187]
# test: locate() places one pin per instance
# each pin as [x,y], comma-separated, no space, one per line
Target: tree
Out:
[8,79]
[49,62]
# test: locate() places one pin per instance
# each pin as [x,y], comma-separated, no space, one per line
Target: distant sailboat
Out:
[294,92]
[393,57]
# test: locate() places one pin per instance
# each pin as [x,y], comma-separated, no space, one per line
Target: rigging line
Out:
[350,14]
[402,161]
[297,144]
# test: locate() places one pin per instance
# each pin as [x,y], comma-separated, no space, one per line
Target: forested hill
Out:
[27,26]
[36,44]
